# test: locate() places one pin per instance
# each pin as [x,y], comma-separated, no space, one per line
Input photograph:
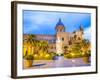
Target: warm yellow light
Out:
[72,54]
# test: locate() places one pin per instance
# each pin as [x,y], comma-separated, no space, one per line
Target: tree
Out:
[76,47]
[75,50]
[30,42]
[85,46]
[43,45]
[86,50]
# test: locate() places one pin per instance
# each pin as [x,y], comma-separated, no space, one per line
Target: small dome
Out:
[60,26]
[60,23]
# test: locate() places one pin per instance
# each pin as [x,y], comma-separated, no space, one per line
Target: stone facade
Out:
[65,37]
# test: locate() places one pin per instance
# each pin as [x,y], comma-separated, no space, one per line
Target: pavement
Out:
[61,62]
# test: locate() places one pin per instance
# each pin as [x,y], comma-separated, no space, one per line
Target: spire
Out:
[59,23]
[81,27]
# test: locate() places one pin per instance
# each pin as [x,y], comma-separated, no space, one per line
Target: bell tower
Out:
[60,32]
[60,26]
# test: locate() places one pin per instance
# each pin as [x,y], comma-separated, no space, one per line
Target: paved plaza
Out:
[61,62]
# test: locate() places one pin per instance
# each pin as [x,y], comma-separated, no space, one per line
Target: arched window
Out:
[62,39]
[60,30]
[75,36]
[79,38]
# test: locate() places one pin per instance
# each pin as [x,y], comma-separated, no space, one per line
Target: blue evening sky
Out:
[44,22]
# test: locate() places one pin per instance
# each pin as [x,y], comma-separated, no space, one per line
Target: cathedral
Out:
[66,38]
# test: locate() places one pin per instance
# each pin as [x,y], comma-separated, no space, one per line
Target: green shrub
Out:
[73,55]
[68,55]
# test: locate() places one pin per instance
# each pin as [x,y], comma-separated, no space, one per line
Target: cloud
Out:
[87,33]
[45,22]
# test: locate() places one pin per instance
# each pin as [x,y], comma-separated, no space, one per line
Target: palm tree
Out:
[85,46]
[43,45]
[37,47]
[42,48]
[30,41]
[85,49]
